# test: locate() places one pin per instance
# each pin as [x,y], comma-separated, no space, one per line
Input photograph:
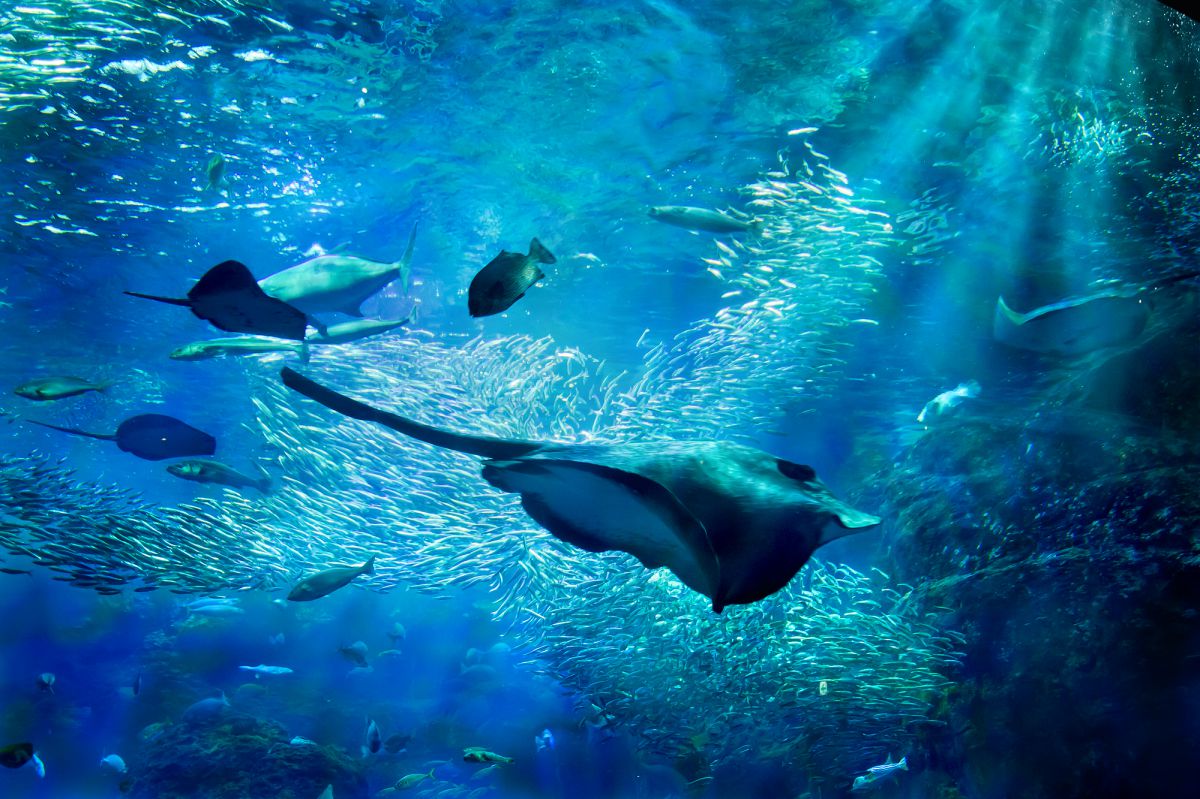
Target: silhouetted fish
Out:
[152,436]
[229,297]
[15,755]
[732,522]
[506,279]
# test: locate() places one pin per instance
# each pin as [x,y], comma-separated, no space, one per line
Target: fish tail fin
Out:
[167,300]
[484,446]
[74,432]
[368,567]
[1011,316]
[304,352]
[903,764]
[430,774]
[539,253]
[105,385]
[404,265]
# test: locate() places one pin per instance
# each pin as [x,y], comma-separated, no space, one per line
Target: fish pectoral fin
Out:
[601,508]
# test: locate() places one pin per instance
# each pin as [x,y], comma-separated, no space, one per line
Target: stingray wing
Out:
[229,297]
[602,508]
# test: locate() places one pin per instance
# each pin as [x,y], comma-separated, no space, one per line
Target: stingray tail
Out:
[74,432]
[485,446]
[167,300]
[404,265]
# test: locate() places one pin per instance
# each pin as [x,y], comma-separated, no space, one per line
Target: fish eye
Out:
[796,471]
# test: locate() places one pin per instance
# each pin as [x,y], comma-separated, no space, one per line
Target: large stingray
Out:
[337,283]
[228,296]
[153,437]
[732,522]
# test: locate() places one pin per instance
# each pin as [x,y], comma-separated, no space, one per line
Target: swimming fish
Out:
[15,755]
[477,754]
[702,219]
[46,680]
[328,581]
[1073,327]
[298,741]
[374,741]
[241,345]
[203,470]
[39,767]
[733,523]
[228,296]
[396,742]
[215,172]
[505,279]
[270,670]
[338,283]
[877,773]
[543,740]
[44,389]
[356,653]
[152,437]
[206,709]
[114,762]
[948,399]
[412,780]
[353,331]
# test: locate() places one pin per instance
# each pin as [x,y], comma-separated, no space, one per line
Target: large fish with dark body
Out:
[228,296]
[328,581]
[15,755]
[505,279]
[732,522]
[336,283]
[152,436]
[44,389]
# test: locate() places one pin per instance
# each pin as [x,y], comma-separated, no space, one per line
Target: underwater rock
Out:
[241,757]
[1063,547]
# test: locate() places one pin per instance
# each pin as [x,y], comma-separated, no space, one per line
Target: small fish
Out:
[328,581]
[7,570]
[948,399]
[215,172]
[46,680]
[412,780]
[238,345]
[203,470]
[505,280]
[397,633]
[356,653]
[544,740]
[219,609]
[476,754]
[206,709]
[45,389]
[298,741]
[876,774]
[261,669]
[374,741]
[704,219]
[15,755]
[485,772]
[114,762]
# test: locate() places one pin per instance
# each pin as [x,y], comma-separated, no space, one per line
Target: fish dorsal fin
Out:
[485,446]
[404,265]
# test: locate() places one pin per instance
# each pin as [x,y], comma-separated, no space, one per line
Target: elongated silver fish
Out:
[203,470]
[238,345]
[44,389]
[702,219]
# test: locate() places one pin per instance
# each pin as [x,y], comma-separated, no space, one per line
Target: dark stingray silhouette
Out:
[731,522]
[230,298]
[153,437]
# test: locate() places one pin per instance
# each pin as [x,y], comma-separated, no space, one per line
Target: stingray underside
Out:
[601,509]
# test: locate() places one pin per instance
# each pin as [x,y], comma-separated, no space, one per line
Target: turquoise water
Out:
[1018,622]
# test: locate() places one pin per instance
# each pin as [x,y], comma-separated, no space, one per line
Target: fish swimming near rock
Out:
[240,345]
[203,470]
[229,297]
[206,710]
[733,523]
[505,279]
[326,582]
[704,219]
[115,763]
[336,283]
[15,755]
[1073,327]
[46,389]
[152,437]
[877,773]
[944,402]
[356,330]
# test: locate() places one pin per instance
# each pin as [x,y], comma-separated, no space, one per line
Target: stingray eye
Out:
[796,471]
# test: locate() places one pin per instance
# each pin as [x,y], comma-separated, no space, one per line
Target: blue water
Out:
[910,163]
